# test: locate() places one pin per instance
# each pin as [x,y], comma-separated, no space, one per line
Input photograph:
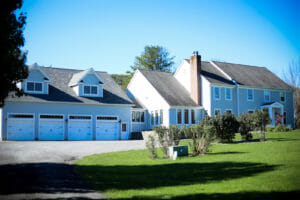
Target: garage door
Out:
[20,127]
[51,127]
[80,127]
[107,128]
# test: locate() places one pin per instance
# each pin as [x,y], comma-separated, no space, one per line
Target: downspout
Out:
[237,96]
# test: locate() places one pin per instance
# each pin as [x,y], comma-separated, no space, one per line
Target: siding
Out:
[222,103]
[123,112]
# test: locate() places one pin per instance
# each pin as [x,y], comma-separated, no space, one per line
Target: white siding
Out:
[183,75]
[206,95]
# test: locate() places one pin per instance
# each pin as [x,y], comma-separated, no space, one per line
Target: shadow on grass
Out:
[152,176]
[224,153]
[252,195]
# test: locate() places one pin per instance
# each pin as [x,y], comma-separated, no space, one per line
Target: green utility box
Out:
[181,151]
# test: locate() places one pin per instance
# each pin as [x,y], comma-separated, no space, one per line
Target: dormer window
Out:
[90,90]
[34,87]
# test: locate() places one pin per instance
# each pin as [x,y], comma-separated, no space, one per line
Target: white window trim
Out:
[34,92]
[265,92]
[252,95]
[100,120]
[230,94]
[143,112]
[284,95]
[218,110]
[43,119]
[214,93]
[90,94]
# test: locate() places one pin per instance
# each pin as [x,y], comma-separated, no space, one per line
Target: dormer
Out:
[37,81]
[87,83]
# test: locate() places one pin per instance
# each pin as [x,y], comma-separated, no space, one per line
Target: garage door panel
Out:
[107,131]
[51,127]
[20,127]
[80,128]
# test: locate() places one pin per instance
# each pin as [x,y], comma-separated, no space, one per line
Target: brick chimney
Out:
[195,63]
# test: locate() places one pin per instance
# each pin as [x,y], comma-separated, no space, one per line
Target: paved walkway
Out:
[43,170]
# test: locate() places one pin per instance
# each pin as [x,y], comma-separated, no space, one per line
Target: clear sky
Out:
[108,34]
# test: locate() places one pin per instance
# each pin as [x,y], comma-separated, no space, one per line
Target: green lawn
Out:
[254,170]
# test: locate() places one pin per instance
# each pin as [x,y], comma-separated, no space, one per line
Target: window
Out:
[142,117]
[138,116]
[266,110]
[217,93]
[282,96]
[133,116]
[152,118]
[90,90]
[178,116]
[124,127]
[228,111]
[161,116]
[250,94]
[34,87]
[107,118]
[217,112]
[250,111]
[193,117]
[228,93]
[80,117]
[186,116]
[267,96]
[156,117]
[284,118]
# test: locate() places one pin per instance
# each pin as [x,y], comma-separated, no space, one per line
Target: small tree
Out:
[260,120]
[150,144]
[245,122]
[161,132]
[174,135]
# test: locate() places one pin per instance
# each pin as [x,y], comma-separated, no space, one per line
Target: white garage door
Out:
[80,127]
[51,127]
[20,127]
[107,128]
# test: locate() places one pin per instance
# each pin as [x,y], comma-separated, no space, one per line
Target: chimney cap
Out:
[195,53]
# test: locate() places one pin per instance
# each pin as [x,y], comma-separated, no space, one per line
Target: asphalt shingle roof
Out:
[169,88]
[60,91]
[252,76]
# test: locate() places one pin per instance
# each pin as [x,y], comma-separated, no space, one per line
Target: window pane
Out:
[123,127]
[217,112]
[178,116]
[217,93]
[152,118]
[93,89]
[186,116]
[142,117]
[193,117]
[250,94]
[156,117]
[282,96]
[161,117]
[86,89]
[30,86]
[38,86]
[133,116]
[137,116]
[228,93]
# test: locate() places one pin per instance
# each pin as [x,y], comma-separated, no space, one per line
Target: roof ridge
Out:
[239,64]
[79,70]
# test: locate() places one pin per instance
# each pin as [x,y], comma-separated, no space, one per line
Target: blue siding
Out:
[123,112]
[222,103]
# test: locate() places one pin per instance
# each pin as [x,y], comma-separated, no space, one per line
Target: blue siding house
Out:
[67,104]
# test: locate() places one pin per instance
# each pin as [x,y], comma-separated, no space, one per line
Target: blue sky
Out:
[107,35]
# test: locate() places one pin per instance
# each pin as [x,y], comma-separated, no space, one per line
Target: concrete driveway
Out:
[43,170]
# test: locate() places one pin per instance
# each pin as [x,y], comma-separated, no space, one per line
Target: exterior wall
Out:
[139,126]
[37,76]
[123,112]
[206,95]
[199,114]
[183,75]
[144,92]
[89,79]
[222,104]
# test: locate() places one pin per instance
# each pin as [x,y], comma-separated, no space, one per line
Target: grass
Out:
[253,170]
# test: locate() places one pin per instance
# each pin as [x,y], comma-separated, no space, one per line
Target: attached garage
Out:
[20,127]
[80,127]
[51,127]
[107,128]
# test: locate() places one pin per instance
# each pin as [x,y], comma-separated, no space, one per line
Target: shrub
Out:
[202,136]
[162,138]
[281,128]
[298,124]
[174,135]
[245,125]
[261,120]
[150,144]
[270,129]
[226,126]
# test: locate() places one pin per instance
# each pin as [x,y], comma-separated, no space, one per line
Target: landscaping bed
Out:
[254,170]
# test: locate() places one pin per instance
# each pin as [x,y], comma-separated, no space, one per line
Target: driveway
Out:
[43,170]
